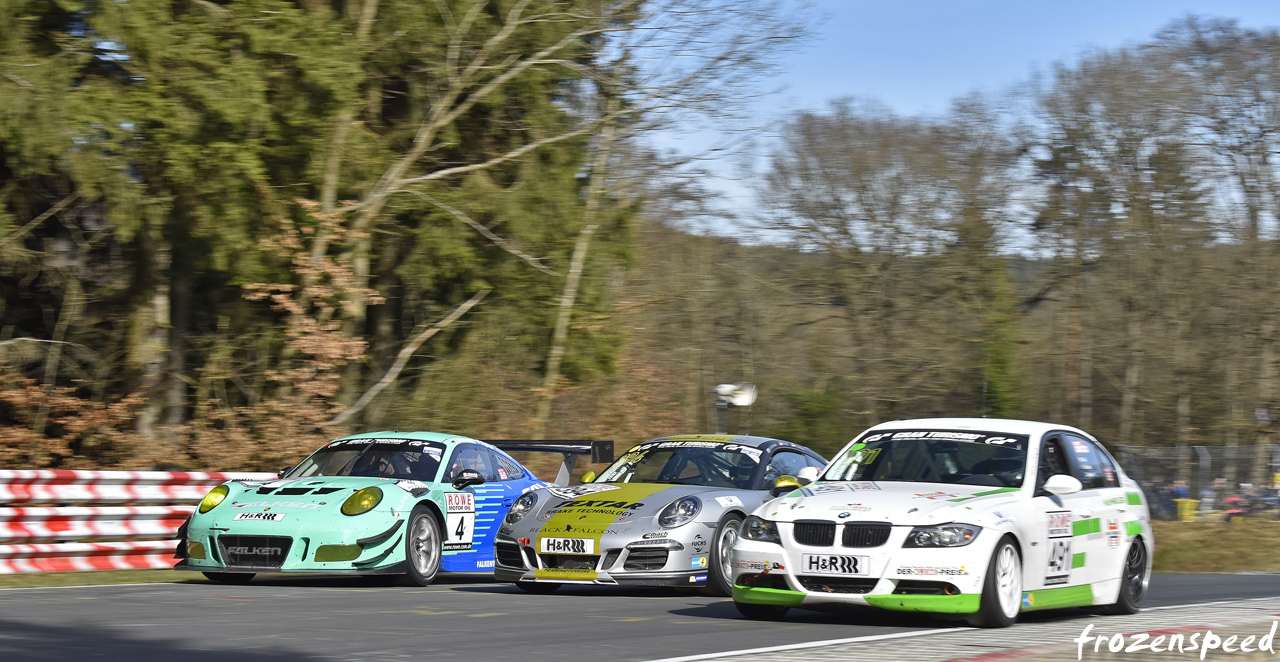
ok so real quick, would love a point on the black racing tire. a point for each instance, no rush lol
(540, 588)
(762, 612)
(423, 546)
(719, 572)
(1132, 579)
(1002, 588)
(229, 577)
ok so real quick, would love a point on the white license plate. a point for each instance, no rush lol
(567, 546)
(264, 517)
(835, 564)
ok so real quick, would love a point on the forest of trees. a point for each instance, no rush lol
(232, 230)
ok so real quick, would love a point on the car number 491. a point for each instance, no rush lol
(836, 564)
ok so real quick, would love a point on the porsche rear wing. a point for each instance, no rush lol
(601, 451)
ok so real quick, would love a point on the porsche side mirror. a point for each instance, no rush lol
(282, 472)
(587, 478)
(1062, 485)
(807, 475)
(783, 485)
(466, 478)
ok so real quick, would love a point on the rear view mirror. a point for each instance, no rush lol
(1062, 485)
(466, 478)
(807, 475)
(784, 484)
(281, 473)
(587, 477)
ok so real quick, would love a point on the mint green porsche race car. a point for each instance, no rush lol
(383, 503)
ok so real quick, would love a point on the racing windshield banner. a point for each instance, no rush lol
(1014, 441)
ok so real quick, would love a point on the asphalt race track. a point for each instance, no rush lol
(302, 619)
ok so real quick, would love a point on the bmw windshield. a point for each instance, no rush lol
(961, 457)
(407, 459)
(707, 463)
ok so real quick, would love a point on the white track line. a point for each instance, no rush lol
(898, 635)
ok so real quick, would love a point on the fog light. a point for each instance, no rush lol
(195, 550)
(329, 553)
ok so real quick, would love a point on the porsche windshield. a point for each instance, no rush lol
(686, 463)
(963, 457)
(376, 458)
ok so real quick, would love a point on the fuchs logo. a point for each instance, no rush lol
(256, 551)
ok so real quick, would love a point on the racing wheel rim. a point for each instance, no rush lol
(424, 545)
(1135, 566)
(1009, 580)
(728, 538)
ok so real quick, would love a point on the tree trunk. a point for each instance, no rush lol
(1132, 376)
(590, 213)
(150, 341)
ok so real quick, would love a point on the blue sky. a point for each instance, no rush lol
(915, 56)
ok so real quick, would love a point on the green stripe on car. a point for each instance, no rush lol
(1077, 560)
(1086, 526)
(1054, 598)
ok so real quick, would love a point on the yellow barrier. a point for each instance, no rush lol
(1187, 509)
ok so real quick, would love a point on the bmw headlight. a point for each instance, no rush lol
(945, 535)
(213, 498)
(679, 512)
(521, 507)
(761, 530)
(362, 501)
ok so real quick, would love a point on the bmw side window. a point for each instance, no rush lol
(784, 463)
(1053, 460)
(1088, 466)
(1093, 468)
(506, 467)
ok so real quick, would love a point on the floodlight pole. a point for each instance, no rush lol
(722, 418)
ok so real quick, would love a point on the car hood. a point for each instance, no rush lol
(316, 493)
(893, 502)
(606, 503)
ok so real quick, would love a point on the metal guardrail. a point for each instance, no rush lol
(59, 521)
(1208, 474)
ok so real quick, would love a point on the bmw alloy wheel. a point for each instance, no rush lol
(1009, 581)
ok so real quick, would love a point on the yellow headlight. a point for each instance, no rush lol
(195, 550)
(362, 502)
(213, 498)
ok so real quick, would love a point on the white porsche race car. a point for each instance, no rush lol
(974, 516)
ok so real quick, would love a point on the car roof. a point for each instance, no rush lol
(1003, 425)
(763, 443)
(418, 435)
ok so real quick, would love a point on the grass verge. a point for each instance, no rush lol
(93, 578)
(1241, 546)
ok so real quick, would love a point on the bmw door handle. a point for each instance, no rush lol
(507, 502)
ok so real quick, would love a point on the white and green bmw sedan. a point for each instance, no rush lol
(980, 517)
